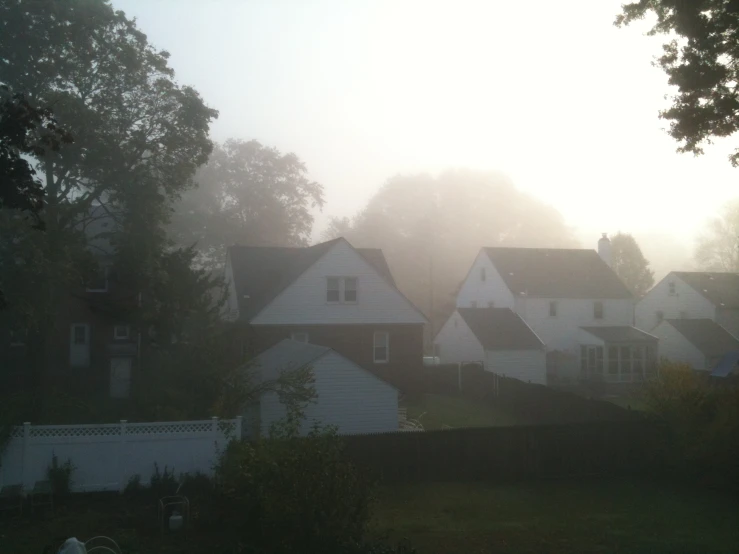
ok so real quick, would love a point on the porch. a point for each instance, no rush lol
(617, 354)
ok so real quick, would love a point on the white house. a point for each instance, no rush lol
(558, 292)
(498, 338)
(348, 396)
(700, 343)
(692, 295)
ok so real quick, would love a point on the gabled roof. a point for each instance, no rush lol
(706, 335)
(500, 329)
(260, 273)
(290, 355)
(721, 289)
(620, 334)
(557, 273)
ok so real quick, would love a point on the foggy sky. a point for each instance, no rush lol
(548, 92)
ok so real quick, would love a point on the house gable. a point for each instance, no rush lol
(481, 289)
(304, 300)
(675, 347)
(675, 299)
(456, 342)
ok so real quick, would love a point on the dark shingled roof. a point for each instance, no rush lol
(500, 329)
(706, 335)
(557, 273)
(263, 272)
(722, 289)
(620, 334)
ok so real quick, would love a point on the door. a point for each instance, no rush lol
(79, 345)
(120, 377)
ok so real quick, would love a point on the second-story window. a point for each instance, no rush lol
(99, 281)
(342, 290)
(381, 347)
(553, 309)
(598, 310)
(121, 332)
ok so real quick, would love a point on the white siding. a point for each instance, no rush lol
(492, 289)
(457, 343)
(729, 320)
(304, 301)
(231, 308)
(349, 397)
(676, 348)
(686, 300)
(525, 365)
(562, 331)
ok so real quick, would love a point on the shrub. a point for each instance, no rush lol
(287, 494)
(60, 476)
(163, 484)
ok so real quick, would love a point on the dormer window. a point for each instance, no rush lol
(342, 290)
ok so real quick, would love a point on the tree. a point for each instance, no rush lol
(630, 264)
(139, 136)
(702, 62)
(247, 194)
(431, 228)
(718, 247)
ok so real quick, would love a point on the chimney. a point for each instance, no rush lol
(604, 249)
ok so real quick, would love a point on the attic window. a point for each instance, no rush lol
(341, 290)
(672, 288)
(482, 274)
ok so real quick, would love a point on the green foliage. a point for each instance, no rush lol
(134, 488)
(718, 246)
(705, 420)
(630, 264)
(701, 60)
(247, 194)
(60, 476)
(164, 483)
(287, 494)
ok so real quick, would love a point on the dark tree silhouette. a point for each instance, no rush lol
(630, 264)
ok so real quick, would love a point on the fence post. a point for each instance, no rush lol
(238, 427)
(25, 470)
(459, 376)
(123, 477)
(214, 427)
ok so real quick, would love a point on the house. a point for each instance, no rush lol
(347, 395)
(692, 295)
(330, 294)
(562, 294)
(701, 343)
(94, 349)
(498, 338)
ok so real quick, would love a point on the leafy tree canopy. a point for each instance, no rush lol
(718, 246)
(630, 264)
(247, 194)
(701, 59)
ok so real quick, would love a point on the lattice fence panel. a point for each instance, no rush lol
(169, 428)
(52, 431)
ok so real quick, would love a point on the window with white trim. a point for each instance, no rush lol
(80, 335)
(299, 336)
(121, 332)
(381, 347)
(342, 290)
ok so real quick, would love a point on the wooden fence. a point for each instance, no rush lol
(505, 453)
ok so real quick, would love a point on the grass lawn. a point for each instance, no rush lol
(633, 402)
(567, 517)
(436, 410)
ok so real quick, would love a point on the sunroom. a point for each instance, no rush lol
(621, 354)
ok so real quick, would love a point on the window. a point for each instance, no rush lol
(299, 337)
(625, 363)
(341, 289)
(552, 309)
(671, 286)
(660, 315)
(591, 360)
(613, 361)
(99, 281)
(482, 274)
(332, 289)
(598, 310)
(17, 338)
(381, 354)
(121, 332)
(79, 334)
(473, 304)
(491, 304)
(637, 359)
(350, 289)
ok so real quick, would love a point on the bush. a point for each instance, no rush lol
(287, 494)
(60, 476)
(163, 484)
(704, 418)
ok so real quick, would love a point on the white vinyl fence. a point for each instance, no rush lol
(107, 456)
